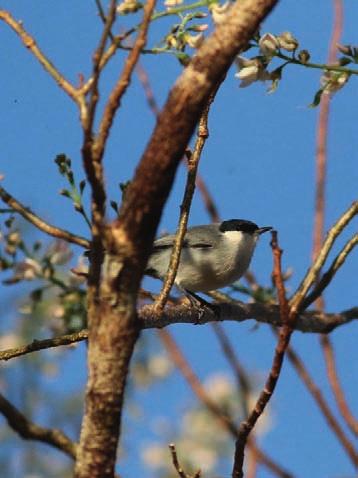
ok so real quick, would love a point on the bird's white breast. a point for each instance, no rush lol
(208, 269)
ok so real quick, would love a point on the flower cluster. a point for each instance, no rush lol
(186, 34)
(285, 47)
(128, 6)
(332, 81)
(255, 69)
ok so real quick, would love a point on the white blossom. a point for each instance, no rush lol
(172, 3)
(128, 6)
(250, 71)
(219, 12)
(159, 366)
(333, 81)
(29, 269)
(194, 41)
(59, 253)
(287, 41)
(268, 44)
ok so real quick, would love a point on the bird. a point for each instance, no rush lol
(213, 256)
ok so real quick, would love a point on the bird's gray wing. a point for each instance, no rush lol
(198, 238)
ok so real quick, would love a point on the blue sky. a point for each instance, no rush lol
(258, 163)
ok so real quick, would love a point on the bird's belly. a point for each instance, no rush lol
(208, 276)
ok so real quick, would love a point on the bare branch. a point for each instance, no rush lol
(44, 226)
(124, 79)
(30, 431)
(288, 319)
(328, 276)
(309, 321)
(313, 272)
(193, 163)
(176, 464)
(312, 321)
(242, 377)
(336, 386)
(321, 159)
(92, 161)
(31, 45)
(96, 70)
(323, 405)
(37, 345)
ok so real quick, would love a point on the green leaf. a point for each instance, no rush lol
(8, 223)
(114, 206)
(66, 193)
(317, 99)
(82, 186)
(70, 178)
(183, 58)
(344, 60)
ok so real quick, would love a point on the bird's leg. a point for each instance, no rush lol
(198, 302)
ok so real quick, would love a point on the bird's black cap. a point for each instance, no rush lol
(242, 225)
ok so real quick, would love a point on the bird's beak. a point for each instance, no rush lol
(261, 230)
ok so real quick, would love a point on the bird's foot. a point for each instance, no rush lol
(201, 304)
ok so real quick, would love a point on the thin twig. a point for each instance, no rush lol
(148, 91)
(92, 158)
(226, 422)
(239, 371)
(96, 70)
(252, 464)
(104, 20)
(330, 273)
(192, 180)
(321, 150)
(176, 463)
(31, 45)
(54, 231)
(336, 386)
(285, 333)
(208, 200)
(124, 79)
(321, 160)
(30, 431)
(322, 404)
(193, 163)
(37, 345)
(206, 196)
(313, 272)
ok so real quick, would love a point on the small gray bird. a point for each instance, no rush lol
(212, 256)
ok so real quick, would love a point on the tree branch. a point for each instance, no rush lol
(242, 377)
(328, 276)
(30, 431)
(308, 322)
(338, 393)
(30, 44)
(124, 79)
(288, 319)
(193, 163)
(322, 403)
(44, 226)
(311, 276)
